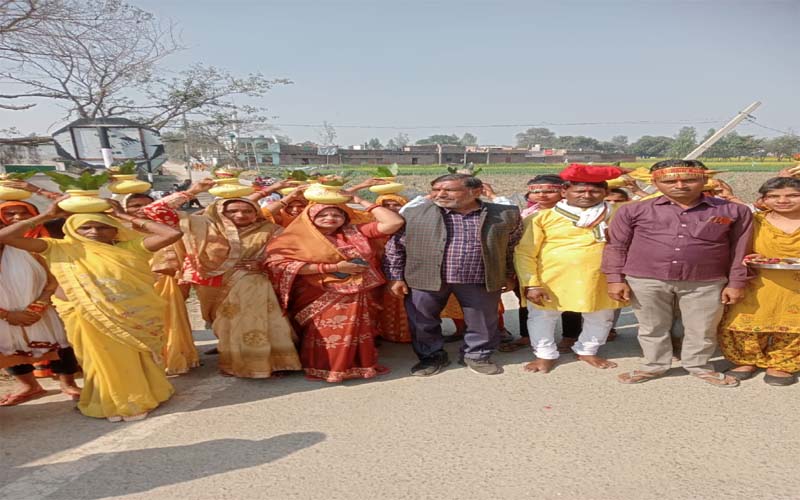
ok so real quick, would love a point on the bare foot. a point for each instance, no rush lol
(515, 345)
(776, 373)
(73, 391)
(540, 365)
(597, 361)
(744, 368)
(565, 345)
(69, 387)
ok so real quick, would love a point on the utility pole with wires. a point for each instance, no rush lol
(719, 134)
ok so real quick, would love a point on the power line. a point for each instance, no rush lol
(505, 125)
(752, 119)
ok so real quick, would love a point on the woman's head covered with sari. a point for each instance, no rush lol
(219, 237)
(96, 228)
(304, 242)
(133, 203)
(15, 211)
(393, 202)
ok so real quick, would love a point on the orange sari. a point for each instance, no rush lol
(336, 317)
(38, 231)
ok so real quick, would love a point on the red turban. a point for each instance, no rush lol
(595, 174)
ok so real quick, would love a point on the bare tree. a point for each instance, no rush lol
(327, 134)
(399, 141)
(220, 133)
(87, 57)
(100, 59)
(25, 15)
(199, 90)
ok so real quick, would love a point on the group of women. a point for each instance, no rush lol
(289, 286)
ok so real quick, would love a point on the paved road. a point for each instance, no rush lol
(575, 433)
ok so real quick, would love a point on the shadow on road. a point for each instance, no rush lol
(138, 471)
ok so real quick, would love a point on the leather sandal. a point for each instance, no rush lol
(717, 379)
(638, 377)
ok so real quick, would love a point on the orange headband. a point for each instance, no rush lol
(674, 173)
(534, 187)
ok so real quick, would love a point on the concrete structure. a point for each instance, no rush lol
(29, 151)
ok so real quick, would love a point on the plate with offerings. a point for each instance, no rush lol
(789, 264)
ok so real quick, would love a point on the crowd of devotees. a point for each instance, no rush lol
(287, 285)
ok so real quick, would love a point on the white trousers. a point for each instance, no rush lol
(542, 328)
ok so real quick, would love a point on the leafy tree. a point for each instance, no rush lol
(784, 146)
(649, 146)
(620, 143)
(577, 142)
(374, 143)
(684, 143)
(440, 139)
(469, 140)
(733, 145)
(536, 135)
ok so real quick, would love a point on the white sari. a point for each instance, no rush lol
(22, 279)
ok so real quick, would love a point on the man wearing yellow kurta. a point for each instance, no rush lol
(558, 267)
(763, 330)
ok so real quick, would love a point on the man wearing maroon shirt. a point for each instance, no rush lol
(681, 248)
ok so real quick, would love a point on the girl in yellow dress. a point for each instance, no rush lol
(763, 331)
(113, 317)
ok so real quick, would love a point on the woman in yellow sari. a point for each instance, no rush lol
(113, 317)
(763, 330)
(225, 247)
(180, 354)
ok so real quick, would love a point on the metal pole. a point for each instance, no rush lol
(186, 156)
(105, 147)
(719, 134)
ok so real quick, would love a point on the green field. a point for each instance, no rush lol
(538, 168)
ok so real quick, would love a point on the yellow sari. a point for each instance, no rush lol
(113, 317)
(255, 338)
(764, 328)
(180, 354)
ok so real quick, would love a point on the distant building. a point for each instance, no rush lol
(440, 155)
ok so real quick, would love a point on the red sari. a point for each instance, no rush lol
(335, 317)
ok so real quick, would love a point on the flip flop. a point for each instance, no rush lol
(716, 379)
(16, 399)
(637, 377)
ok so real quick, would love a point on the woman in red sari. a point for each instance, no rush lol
(327, 274)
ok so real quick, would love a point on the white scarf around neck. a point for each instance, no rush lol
(587, 217)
